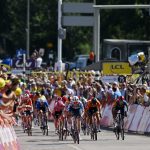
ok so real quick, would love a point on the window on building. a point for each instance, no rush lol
(116, 53)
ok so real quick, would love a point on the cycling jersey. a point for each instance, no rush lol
(76, 105)
(59, 105)
(42, 105)
(76, 108)
(120, 104)
(91, 105)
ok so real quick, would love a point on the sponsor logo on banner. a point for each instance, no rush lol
(119, 68)
(18, 63)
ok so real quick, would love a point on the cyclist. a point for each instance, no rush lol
(76, 109)
(119, 104)
(67, 115)
(84, 117)
(26, 108)
(115, 91)
(93, 108)
(57, 112)
(42, 107)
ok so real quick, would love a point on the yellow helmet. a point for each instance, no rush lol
(2, 82)
(147, 91)
(141, 56)
(18, 91)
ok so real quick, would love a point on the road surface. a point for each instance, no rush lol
(106, 141)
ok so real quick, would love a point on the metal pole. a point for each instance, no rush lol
(24, 63)
(59, 63)
(121, 6)
(97, 34)
(94, 31)
(28, 29)
(149, 62)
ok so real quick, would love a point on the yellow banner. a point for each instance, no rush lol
(110, 68)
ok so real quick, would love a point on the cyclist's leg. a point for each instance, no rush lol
(56, 117)
(114, 114)
(98, 120)
(69, 121)
(90, 113)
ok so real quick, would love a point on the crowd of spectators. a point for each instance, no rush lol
(82, 84)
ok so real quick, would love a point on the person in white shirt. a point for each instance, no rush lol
(39, 61)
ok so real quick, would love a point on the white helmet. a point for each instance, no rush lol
(75, 98)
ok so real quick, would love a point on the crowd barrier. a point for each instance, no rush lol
(8, 138)
(137, 119)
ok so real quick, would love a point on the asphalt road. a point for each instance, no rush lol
(106, 141)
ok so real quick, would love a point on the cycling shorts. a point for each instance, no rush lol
(92, 110)
(75, 112)
(57, 114)
(26, 113)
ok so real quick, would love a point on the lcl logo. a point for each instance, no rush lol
(117, 67)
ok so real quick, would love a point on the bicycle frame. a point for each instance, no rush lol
(60, 128)
(74, 130)
(119, 126)
(94, 128)
(44, 123)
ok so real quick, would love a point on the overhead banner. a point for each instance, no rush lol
(18, 63)
(71, 13)
(119, 68)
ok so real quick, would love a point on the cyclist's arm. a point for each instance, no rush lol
(47, 106)
(126, 105)
(37, 106)
(69, 107)
(81, 107)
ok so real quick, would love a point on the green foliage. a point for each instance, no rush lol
(123, 24)
(84, 48)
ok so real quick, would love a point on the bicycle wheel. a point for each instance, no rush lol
(23, 127)
(95, 134)
(46, 126)
(122, 130)
(60, 132)
(77, 137)
(83, 126)
(43, 126)
(66, 130)
(73, 135)
(43, 130)
(92, 133)
(29, 128)
(122, 134)
(117, 133)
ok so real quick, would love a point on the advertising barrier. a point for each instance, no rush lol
(137, 119)
(144, 120)
(8, 138)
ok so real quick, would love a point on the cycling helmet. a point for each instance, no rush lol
(59, 98)
(75, 98)
(18, 91)
(26, 95)
(94, 100)
(121, 98)
(64, 98)
(2, 83)
(27, 92)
